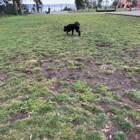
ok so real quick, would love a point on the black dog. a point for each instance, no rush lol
(47, 12)
(72, 27)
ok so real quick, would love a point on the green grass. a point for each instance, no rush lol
(61, 87)
(123, 123)
(133, 95)
(119, 136)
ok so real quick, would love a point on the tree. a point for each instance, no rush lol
(115, 2)
(65, 8)
(94, 3)
(79, 4)
(19, 6)
(8, 8)
(86, 2)
(99, 3)
(16, 4)
(38, 3)
(4, 1)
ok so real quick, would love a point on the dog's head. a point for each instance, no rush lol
(77, 23)
(65, 28)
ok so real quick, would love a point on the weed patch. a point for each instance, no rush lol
(122, 122)
(133, 95)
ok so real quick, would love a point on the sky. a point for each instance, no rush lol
(50, 1)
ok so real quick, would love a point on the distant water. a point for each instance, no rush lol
(54, 7)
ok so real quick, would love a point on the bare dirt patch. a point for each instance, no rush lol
(116, 79)
(101, 44)
(18, 116)
(3, 77)
(19, 58)
(1, 101)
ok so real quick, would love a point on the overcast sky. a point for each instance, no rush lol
(50, 1)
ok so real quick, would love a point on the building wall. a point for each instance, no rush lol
(138, 4)
(124, 2)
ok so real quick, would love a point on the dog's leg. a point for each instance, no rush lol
(72, 32)
(79, 33)
(67, 32)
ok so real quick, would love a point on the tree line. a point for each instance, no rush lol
(87, 3)
(97, 3)
(17, 5)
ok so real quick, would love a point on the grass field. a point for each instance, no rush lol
(55, 86)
